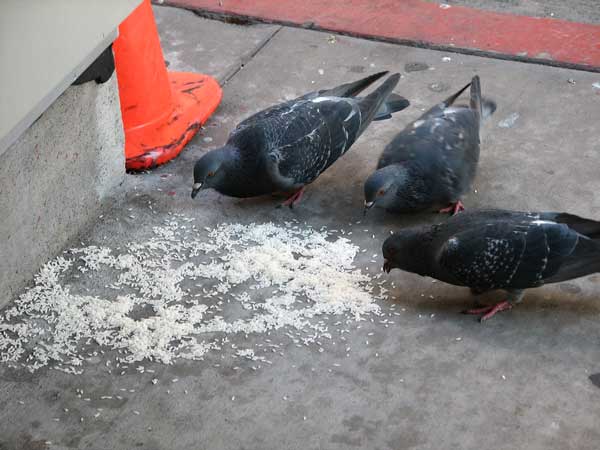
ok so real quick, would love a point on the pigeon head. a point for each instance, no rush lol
(406, 251)
(382, 186)
(209, 170)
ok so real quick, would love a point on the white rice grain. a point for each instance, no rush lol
(160, 305)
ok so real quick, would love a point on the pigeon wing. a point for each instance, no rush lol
(447, 146)
(270, 113)
(314, 136)
(508, 255)
(483, 258)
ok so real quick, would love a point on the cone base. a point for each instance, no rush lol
(195, 98)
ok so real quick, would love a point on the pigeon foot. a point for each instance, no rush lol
(489, 311)
(294, 199)
(454, 208)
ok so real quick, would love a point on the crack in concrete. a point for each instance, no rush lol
(247, 57)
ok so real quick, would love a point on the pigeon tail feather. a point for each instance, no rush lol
(585, 262)
(393, 104)
(450, 100)
(370, 105)
(586, 227)
(476, 104)
(354, 88)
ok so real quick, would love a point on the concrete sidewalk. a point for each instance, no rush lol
(436, 379)
(586, 11)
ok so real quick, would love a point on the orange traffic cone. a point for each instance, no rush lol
(161, 110)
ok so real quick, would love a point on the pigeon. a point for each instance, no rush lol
(498, 249)
(432, 161)
(287, 146)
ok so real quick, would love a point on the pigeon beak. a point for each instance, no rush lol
(195, 189)
(387, 266)
(368, 205)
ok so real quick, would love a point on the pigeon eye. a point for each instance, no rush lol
(380, 192)
(211, 174)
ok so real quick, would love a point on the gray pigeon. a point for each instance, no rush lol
(287, 146)
(433, 161)
(495, 249)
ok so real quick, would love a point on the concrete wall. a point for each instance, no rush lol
(44, 47)
(54, 178)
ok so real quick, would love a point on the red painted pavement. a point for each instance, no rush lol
(416, 22)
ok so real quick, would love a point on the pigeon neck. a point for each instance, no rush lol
(422, 254)
(229, 155)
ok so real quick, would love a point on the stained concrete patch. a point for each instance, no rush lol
(415, 67)
(357, 69)
(24, 442)
(570, 288)
(438, 87)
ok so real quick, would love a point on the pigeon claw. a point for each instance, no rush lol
(294, 198)
(454, 208)
(489, 311)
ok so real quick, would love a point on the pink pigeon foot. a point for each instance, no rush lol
(489, 311)
(454, 208)
(294, 198)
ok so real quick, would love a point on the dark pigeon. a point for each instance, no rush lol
(433, 161)
(495, 249)
(287, 146)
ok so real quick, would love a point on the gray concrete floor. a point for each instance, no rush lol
(587, 11)
(519, 381)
